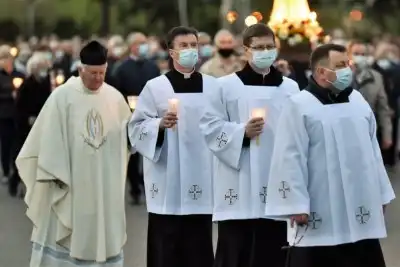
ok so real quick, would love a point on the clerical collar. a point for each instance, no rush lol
(325, 95)
(251, 78)
(182, 74)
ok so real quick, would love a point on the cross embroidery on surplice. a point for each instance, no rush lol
(284, 189)
(362, 215)
(222, 140)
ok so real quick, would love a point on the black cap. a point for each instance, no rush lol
(93, 53)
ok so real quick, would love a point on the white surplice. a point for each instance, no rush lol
(177, 175)
(241, 174)
(327, 163)
(79, 140)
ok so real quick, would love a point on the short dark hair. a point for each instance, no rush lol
(178, 31)
(256, 30)
(322, 52)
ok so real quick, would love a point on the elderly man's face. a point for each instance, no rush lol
(93, 76)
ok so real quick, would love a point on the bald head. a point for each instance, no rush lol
(225, 43)
(224, 39)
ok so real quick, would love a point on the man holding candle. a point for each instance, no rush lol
(164, 129)
(239, 127)
(73, 164)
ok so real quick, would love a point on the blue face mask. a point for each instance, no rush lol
(162, 54)
(143, 50)
(206, 51)
(188, 57)
(264, 59)
(344, 77)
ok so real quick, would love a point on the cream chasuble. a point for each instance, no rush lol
(73, 164)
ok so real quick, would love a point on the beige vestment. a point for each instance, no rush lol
(73, 164)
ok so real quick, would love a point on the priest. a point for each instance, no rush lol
(327, 175)
(239, 128)
(73, 164)
(164, 129)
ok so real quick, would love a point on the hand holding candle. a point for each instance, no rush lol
(173, 105)
(259, 114)
(17, 82)
(132, 100)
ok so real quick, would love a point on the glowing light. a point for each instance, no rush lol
(17, 82)
(257, 15)
(250, 20)
(294, 22)
(232, 16)
(356, 15)
(60, 79)
(14, 51)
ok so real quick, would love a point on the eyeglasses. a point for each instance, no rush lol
(296, 241)
(262, 47)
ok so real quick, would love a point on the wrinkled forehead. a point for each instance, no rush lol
(95, 68)
(263, 40)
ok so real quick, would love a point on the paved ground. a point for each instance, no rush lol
(15, 232)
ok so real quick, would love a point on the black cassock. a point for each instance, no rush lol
(364, 253)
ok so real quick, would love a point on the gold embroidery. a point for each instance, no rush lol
(94, 130)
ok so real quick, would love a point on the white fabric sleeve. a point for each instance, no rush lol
(223, 137)
(387, 192)
(144, 127)
(288, 177)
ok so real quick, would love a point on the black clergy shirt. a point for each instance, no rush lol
(327, 96)
(193, 83)
(251, 78)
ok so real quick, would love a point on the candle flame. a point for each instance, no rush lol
(17, 82)
(259, 113)
(132, 100)
(60, 79)
(173, 105)
(14, 51)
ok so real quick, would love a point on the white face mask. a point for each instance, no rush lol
(361, 61)
(384, 63)
(264, 59)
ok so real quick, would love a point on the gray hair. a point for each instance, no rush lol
(34, 61)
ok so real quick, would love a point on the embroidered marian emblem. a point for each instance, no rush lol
(94, 136)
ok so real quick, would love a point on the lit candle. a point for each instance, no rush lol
(258, 113)
(14, 51)
(132, 100)
(17, 82)
(173, 104)
(60, 79)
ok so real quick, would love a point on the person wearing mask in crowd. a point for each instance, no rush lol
(24, 53)
(30, 99)
(206, 50)
(162, 58)
(131, 76)
(225, 61)
(116, 50)
(8, 89)
(387, 68)
(63, 58)
(370, 84)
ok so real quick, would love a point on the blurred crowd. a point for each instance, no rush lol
(31, 69)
